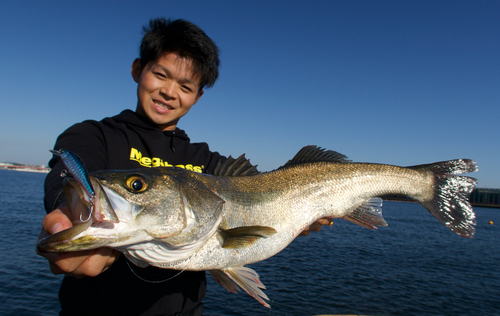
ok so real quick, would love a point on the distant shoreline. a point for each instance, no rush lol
(22, 167)
(27, 170)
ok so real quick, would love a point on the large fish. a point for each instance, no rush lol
(177, 219)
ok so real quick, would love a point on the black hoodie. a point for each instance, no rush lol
(129, 141)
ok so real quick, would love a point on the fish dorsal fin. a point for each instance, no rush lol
(243, 277)
(235, 167)
(316, 154)
(368, 214)
(241, 237)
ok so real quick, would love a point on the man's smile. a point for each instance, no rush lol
(163, 105)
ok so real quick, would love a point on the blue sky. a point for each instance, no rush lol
(398, 82)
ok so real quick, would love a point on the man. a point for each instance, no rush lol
(177, 60)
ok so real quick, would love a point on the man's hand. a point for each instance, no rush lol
(79, 263)
(316, 226)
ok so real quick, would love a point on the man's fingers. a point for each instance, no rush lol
(324, 221)
(99, 261)
(56, 221)
(316, 226)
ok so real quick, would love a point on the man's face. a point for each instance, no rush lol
(166, 89)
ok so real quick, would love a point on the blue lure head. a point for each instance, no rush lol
(78, 171)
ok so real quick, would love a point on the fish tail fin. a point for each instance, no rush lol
(243, 277)
(450, 203)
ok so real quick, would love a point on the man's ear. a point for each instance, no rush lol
(136, 69)
(200, 93)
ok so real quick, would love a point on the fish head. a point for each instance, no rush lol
(143, 198)
(137, 206)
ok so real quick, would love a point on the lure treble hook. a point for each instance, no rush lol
(76, 168)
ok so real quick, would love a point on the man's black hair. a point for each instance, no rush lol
(184, 39)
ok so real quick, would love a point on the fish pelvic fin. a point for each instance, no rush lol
(368, 214)
(450, 203)
(241, 277)
(241, 237)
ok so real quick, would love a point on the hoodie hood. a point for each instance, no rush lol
(136, 121)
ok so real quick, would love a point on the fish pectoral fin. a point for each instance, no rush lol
(241, 277)
(368, 214)
(241, 237)
(223, 224)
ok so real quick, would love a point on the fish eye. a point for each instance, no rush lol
(136, 184)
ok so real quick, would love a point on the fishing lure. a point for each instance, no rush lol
(78, 171)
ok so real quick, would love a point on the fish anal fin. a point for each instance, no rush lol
(241, 237)
(368, 214)
(243, 277)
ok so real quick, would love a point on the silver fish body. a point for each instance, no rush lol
(177, 219)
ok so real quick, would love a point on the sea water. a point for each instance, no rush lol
(415, 266)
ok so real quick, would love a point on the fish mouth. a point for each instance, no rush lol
(100, 211)
(84, 234)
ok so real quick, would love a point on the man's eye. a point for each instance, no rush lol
(159, 74)
(187, 88)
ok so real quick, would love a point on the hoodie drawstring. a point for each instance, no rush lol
(172, 146)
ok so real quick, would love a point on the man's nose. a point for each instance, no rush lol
(168, 90)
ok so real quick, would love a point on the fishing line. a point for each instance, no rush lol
(279, 286)
(149, 280)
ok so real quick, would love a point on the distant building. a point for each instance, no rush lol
(485, 197)
(479, 197)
